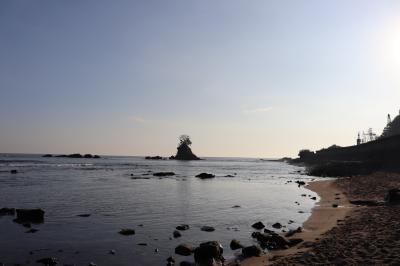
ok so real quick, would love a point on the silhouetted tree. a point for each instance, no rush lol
(184, 140)
(304, 154)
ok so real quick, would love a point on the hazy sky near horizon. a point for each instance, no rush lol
(242, 78)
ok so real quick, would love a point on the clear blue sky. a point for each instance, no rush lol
(242, 78)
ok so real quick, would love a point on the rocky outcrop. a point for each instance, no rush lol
(185, 153)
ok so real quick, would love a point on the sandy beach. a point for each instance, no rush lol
(350, 234)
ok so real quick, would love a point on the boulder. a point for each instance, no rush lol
(277, 226)
(207, 228)
(393, 196)
(47, 156)
(7, 211)
(14, 172)
(258, 225)
(205, 176)
(29, 216)
(176, 234)
(184, 250)
(235, 244)
(209, 253)
(251, 251)
(182, 227)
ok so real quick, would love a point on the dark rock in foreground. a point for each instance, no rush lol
(7, 211)
(205, 176)
(209, 253)
(184, 250)
(235, 244)
(14, 172)
(251, 251)
(29, 216)
(258, 225)
(127, 232)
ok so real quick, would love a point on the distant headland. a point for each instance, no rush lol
(372, 153)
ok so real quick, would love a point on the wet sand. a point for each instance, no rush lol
(323, 218)
(348, 235)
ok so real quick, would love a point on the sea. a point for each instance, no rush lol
(122, 192)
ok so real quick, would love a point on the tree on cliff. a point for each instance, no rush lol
(184, 152)
(184, 140)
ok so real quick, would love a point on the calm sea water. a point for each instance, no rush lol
(104, 188)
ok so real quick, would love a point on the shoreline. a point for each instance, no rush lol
(323, 218)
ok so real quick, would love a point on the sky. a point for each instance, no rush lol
(242, 78)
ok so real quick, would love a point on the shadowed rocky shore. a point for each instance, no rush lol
(370, 235)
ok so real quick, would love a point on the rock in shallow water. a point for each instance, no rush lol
(7, 211)
(127, 232)
(205, 176)
(258, 225)
(184, 250)
(182, 227)
(209, 253)
(177, 234)
(207, 229)
(235, 244)
(29, 216)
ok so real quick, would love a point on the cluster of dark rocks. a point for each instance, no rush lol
(207, 253)
(74, 155)
(25, 217)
